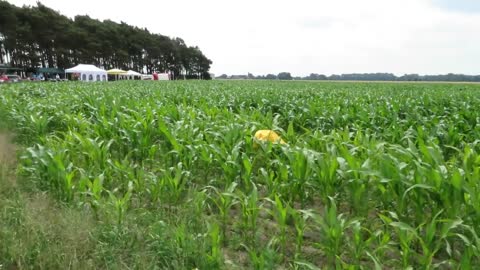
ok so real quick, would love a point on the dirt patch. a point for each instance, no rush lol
(235, 259)
(36, 226)
(8, 161)
(57, 222)
(8, 150)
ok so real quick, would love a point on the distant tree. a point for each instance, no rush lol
(8, 25)
(410, 77)
(206, 76)
(368, 77)
(362, 77)
(38, 36)
(271, 77)
(284, 76)
(312, 76)
(238, 77)
(321, 77)
(250, 76)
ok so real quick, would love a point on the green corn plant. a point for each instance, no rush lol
(281, 213)
(430, 241)
(301, 163)
(470, 162)
(247, 170)
(407, 236)
(49, 166)
(120, 204)
(263, 258)
(332, 227)
(94, 190)
(174, 184)
(471, 252)
(224, 201)
(359, 243)
(326, 172)
(215, 256)
(300, 223)
(356, 184)
(39, 124)
(269, 181)
(229, 163)
(250, 207)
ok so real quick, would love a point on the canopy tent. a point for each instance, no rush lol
(88, 73)
(130, 75)
(133, 73)
(116, 71)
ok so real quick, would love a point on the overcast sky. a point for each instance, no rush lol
(308, 36)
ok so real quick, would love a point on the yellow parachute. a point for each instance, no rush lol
(268, 135)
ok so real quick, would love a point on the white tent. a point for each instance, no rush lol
(163, 76)
(88, 73)
(133, 73)
(130, 75)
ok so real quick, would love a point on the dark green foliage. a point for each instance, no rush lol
(38, 36)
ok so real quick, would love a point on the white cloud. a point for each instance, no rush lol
(409, 36)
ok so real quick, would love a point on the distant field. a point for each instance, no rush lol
(384, 82)
(167, 175)
(356, 81)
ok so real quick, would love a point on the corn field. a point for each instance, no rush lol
(372, 175)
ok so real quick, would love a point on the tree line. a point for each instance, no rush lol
(359, 77)
(38, 36)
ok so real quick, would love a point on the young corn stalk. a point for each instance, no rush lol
(121, 204)
(332, 228)
(300, 223)
(250, 207)
(281, 213)
(215, 256)
(224, 201)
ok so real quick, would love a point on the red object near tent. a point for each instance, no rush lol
(155, 76)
